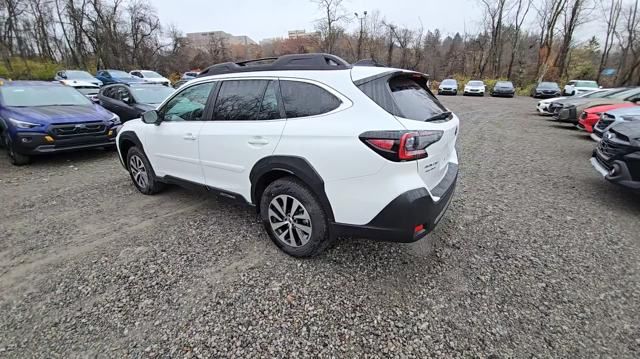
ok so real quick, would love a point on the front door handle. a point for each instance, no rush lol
(258, 141)
(189, 137)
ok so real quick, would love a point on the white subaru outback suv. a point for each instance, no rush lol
(321, 148)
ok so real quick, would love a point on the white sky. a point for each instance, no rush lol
(260, 19)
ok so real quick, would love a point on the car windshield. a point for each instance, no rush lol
(594, 94)
(87, 90)
(622, 95)
(476, 83)
(151, 94)
(118, 73)
(79, 75)
(151, 74)
(34, 96)
(504, 84)
(548, 85)
(591, 84)
(449, 82)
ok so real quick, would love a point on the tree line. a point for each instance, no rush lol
(522, 40)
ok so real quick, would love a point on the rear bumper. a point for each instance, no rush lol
(398, 221)
(35, 144)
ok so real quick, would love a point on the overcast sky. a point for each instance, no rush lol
(260, 19)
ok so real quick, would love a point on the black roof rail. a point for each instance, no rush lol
(317, 61)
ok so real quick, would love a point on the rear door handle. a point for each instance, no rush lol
(258, 141)
(189, 137)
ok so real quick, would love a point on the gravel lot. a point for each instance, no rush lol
(537, 257)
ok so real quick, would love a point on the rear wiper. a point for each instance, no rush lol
(440, 117)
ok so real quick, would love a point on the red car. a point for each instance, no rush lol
(591, 116)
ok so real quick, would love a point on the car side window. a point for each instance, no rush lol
(240, 100)
(188, 105)
(301, 99)
(124, 94)
(269, 109)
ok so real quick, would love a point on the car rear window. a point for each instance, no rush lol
(302, 99)
(413, 101)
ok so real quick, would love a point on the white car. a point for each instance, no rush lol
(151, 76)
(578, 87)
(474, 88)
(321, 148)
(543, 106)
(88, 89)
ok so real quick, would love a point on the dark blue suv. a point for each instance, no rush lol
(38, 117)
(109, 77)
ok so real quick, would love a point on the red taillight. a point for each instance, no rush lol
(419, 228)
(409, 143)
(382, 144)
(401, 145)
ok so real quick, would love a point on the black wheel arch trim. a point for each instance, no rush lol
(292, 165)
(127, 136)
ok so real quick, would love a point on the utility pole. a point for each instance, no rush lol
(360, 37)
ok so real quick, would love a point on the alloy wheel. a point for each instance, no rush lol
(290, 221)
(138, 171)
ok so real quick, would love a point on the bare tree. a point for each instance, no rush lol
(329, 26)
(572, 19)
(549, 12)
(612, 24)
(522, 8)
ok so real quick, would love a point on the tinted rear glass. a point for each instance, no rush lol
(413, 101)
(303, 99)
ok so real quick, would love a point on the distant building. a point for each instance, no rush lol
(300, 34)
(270, 40)
(203, 39)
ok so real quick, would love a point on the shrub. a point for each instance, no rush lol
(27, 69)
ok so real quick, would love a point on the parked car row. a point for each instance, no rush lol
(611, 117)
(477, 87)
(41, 117)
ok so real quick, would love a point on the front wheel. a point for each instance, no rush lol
(141, 172)
(294, 218)
(16, 159)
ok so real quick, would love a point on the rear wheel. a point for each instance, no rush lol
(141, 172)
(16, 159)
(294, 218)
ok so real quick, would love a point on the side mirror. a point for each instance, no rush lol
(151, 117)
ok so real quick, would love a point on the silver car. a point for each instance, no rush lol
(612, 118)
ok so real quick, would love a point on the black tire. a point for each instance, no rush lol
(138, 166)
(16, 159)
(281, 192)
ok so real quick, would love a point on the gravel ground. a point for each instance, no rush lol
(537, 257)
